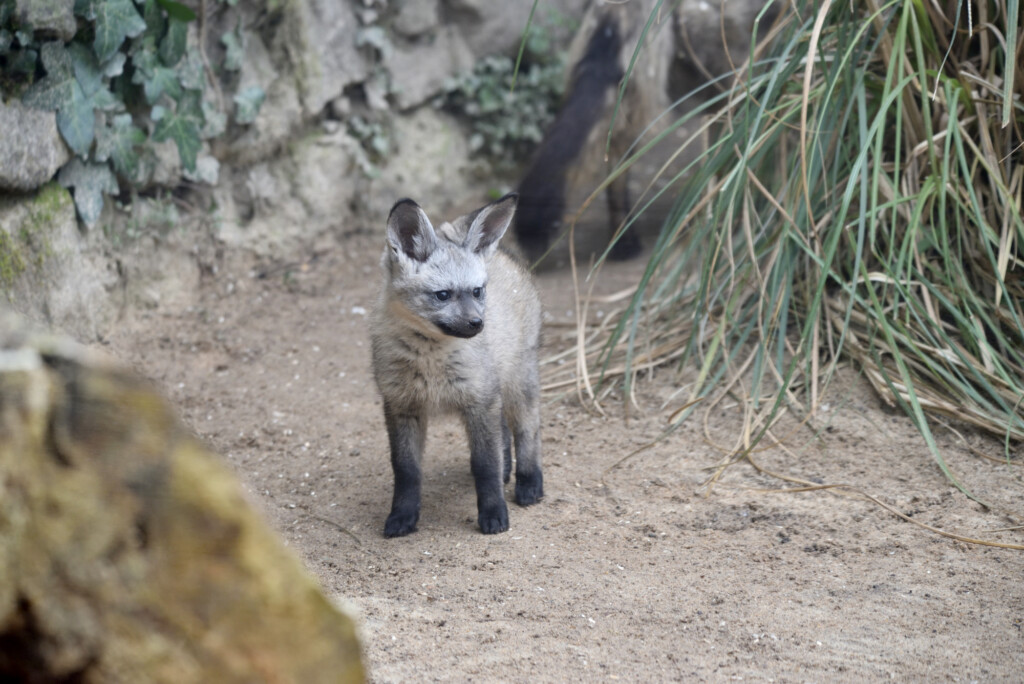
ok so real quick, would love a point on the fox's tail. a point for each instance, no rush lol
(542, 189)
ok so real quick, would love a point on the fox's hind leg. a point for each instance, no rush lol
(484, 428)
(525, 421)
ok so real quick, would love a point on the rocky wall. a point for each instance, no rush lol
(291, 177)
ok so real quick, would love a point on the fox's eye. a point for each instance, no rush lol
(477, 292)
(442, 295)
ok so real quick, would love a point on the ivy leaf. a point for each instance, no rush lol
(116, 20)
(155, 20)
(117, 143)
(61, 91)
(172, 47)
(114, 66)
(89, 181)
(87, 69)
(182, 126)
(163, 80)
(190, 71)
(76, 121)
(154, 78)
(234, 51)
(106, 101)
(6, 10)
(177, 11)
(216, 121)
(247, 104)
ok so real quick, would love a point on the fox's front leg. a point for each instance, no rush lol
(407, 432)
(484, 427)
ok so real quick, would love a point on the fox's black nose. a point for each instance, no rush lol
(467, 327)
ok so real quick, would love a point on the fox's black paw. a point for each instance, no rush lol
(529, 489)
(627, 247)
(400, 523)
(494, 520)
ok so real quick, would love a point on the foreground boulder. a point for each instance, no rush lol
(127, 551)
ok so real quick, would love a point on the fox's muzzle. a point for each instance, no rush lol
(464, 328)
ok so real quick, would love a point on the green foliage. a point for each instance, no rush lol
(114, 22)
(126, 80)
(858, 200)
(247, 104)
(510, 102)
(507, 124)
(89, 182)
(61, 90)
(374, 140)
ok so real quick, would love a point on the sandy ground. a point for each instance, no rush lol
(631, 574)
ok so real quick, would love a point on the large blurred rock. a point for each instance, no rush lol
(32, 148)
(128, 552)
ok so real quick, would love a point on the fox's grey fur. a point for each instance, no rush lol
(456, 330)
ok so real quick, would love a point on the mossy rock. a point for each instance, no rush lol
(26, 242)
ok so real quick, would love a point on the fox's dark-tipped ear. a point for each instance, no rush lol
(490, 223)
(410, 232)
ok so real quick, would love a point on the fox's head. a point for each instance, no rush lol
(438, 279)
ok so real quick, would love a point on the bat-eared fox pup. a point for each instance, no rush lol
(456, 330)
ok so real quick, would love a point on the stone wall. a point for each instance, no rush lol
(295, 176)
(291, 177)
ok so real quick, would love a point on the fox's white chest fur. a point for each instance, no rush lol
(439, 375)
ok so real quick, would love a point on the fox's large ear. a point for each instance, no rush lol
(490, 223)
(410, 232)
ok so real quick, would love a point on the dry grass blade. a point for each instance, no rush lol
(861, 198)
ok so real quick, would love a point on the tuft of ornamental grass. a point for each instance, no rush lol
(859, 198)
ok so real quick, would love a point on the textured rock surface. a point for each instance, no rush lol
(32, 149)
(292, 178)
(56, 17)
(128, 552)
(419, 70)
(47, 267)
(321, 37)
(415, 17)
(497, 27)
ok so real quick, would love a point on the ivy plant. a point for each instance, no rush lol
(506, 124)
(126, 80)
(509, 112)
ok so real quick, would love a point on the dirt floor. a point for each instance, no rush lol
(631, 573)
